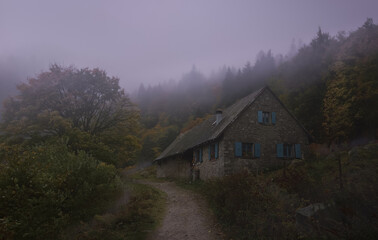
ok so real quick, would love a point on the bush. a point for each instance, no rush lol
(251, 207)
(133, 220)
(352, 200)
(45, 188)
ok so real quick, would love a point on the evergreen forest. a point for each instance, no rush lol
(330, 85)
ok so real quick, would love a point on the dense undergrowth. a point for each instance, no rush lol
(147, 173)
(50, 192)
(250, 207)
(264, 206)
(46, 188)
(62, 139)
(132, 221)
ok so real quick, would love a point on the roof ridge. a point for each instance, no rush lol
(205, 131)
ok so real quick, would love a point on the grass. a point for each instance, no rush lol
(264, 206)
(319, 179)
(248, 206)
(148, 173)
(132, 221)
(196, 186)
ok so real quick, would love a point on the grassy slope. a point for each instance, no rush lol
(135, 220)
(263, 207)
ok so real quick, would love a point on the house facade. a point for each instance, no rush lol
(255, 134)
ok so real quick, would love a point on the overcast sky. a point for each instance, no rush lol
(157, 40)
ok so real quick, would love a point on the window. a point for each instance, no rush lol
(288, 150)
(247, 150)
(266, 117)
(198, 155)
(213, 151)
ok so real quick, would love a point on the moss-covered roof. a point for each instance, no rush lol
(208, 130)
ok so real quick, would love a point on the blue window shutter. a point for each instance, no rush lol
(280, 150)
(286, 151)
(259, 116)
(200, 156)
(238, 149)
(298, 153)
(209, 151)
(257, 150)
(216, 150)
(273, 117)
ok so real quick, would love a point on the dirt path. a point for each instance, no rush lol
(187, 216)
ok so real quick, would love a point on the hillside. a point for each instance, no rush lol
(309, 199)
(331, 86)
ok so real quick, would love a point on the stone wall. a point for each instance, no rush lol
(247, 129)
(210, 168)
(177, 167)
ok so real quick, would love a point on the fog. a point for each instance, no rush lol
(155, 41)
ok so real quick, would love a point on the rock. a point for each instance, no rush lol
(310, 210)
(354, 154)
(309, 219)
(296, 163)
(331, 156)
(373, 147)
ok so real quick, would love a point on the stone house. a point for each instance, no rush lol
(255, 134)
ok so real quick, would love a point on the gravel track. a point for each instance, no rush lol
(187, 216)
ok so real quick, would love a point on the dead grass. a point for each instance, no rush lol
(133, 221)
(263, 207)
(148, 173)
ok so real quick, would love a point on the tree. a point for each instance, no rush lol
(86, 105)
(338, 115)
(321, 40)
(369, 24)
(351, 97)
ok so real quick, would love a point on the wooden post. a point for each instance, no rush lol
(340, 172)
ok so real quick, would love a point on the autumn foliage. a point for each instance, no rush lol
(85, 106)
(61, 140)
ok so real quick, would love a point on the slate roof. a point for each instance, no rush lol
(207, 130)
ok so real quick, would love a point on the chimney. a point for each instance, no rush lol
(218, 116)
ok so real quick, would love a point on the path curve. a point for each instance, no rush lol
(187, 216)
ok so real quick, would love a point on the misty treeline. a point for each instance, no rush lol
(330, 84)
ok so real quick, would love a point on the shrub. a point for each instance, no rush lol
(44, 188)
(132, 221)
(252, 208)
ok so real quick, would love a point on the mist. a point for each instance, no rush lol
(113, 94)
(150, 42)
